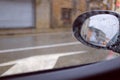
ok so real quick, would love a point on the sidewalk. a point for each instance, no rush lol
(17, 32)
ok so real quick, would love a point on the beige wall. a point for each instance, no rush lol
(81, 8)
(56, 11)
(42, 14)
(59, 4)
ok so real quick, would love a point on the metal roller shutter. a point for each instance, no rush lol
(16, 14)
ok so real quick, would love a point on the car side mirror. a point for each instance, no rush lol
(98, 29)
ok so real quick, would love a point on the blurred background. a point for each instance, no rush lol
(34, 16)
(37, 34)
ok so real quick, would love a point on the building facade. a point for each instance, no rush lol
(32, 16)
(99, 4)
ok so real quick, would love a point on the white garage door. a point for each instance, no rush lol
(16, 13)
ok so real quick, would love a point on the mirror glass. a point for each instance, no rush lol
(100, 29)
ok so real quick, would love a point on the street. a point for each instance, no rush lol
(28, 53)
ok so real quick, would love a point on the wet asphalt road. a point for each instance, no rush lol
(28, 53)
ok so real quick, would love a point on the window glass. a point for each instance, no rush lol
(44, 39)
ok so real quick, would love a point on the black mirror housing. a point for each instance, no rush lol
(78, 24)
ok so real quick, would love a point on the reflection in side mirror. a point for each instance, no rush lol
(100, 29)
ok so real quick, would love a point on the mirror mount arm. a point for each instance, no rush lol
(116, 45)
